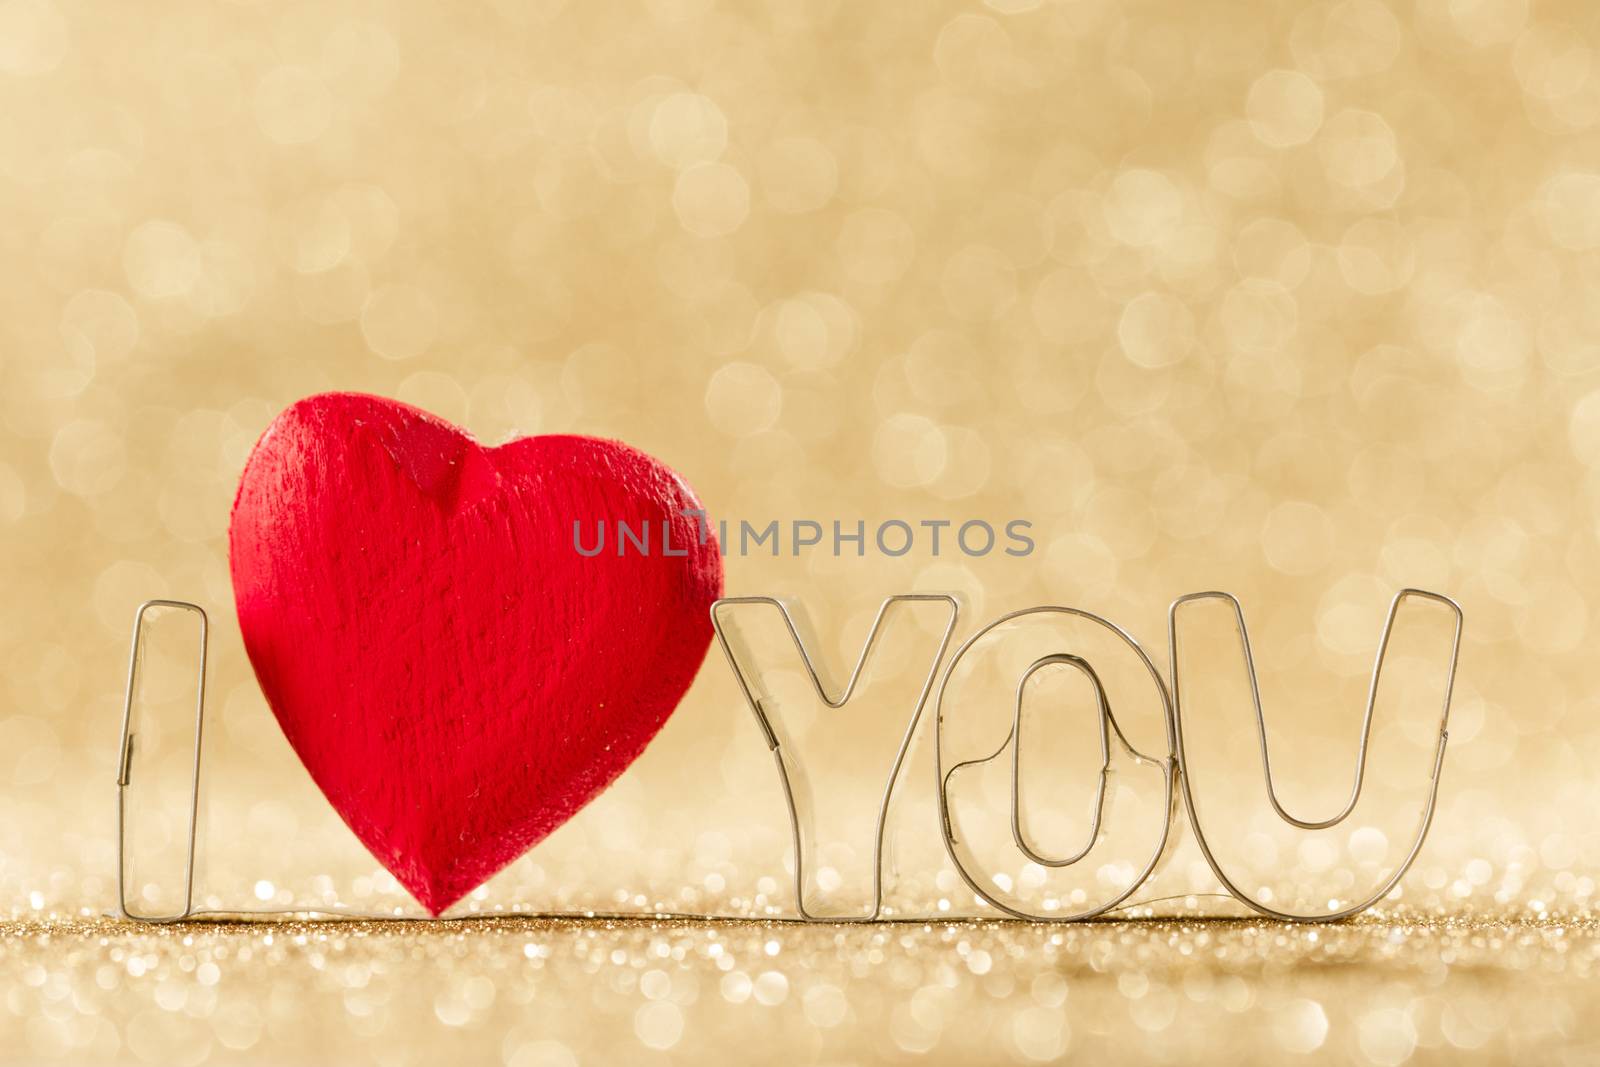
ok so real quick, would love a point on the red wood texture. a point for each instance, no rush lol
(457, 678)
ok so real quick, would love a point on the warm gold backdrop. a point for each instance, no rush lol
(1296, 300)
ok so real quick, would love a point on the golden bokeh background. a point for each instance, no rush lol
(1296, 300)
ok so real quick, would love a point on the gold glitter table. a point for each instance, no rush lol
(552, 993)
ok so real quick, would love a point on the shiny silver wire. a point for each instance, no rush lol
(1105, 719)
(125, 759)
(1108, 724)
(1174, 770)
(771, 736)
(1186, 776)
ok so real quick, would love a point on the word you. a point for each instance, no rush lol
(998, 642)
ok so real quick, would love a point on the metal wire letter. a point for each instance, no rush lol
(126, 754)
(1266, 757)
(835, 702)
(1107, 725)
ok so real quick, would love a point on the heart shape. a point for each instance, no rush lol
(457, 677)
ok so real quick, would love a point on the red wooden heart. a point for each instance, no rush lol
(456, 676)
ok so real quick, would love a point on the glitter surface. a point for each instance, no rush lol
(1293, 299)
(1385, 989)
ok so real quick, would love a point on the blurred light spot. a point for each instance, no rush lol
(825, 1006)
(909, 450)
(1376, 256)
(771, 988)
(1551, 63)
(659, 1024)
(541, 1053)
(161, 260)
(13, 494)
(335, 295)
(563, 114)
(798, 174)
(1143, 207)
(1297, 538)
(1272, 249)
(743, 399)
(735, 987)
(686, 129)
(1156, 330)
(1493, 348)
(1387, 1036)
(966, 470)
(318, 234)
(33, 37)
(1555, 618)
(1259, 317)
(1349, 616)
(1301, 1026)
(1583, 429)
(1358, 149)
(293, 106)
(1285, 108)
(815, 330)
(360, 59)
(1483, 22)
(87, 457)
(876, 246)
(979, 284)
(1345, 38)
(29, 744)
(399, 322)
(103, 321)
(1571, 203)
(711, 199)
(1368, 844)
(1041, 1034)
